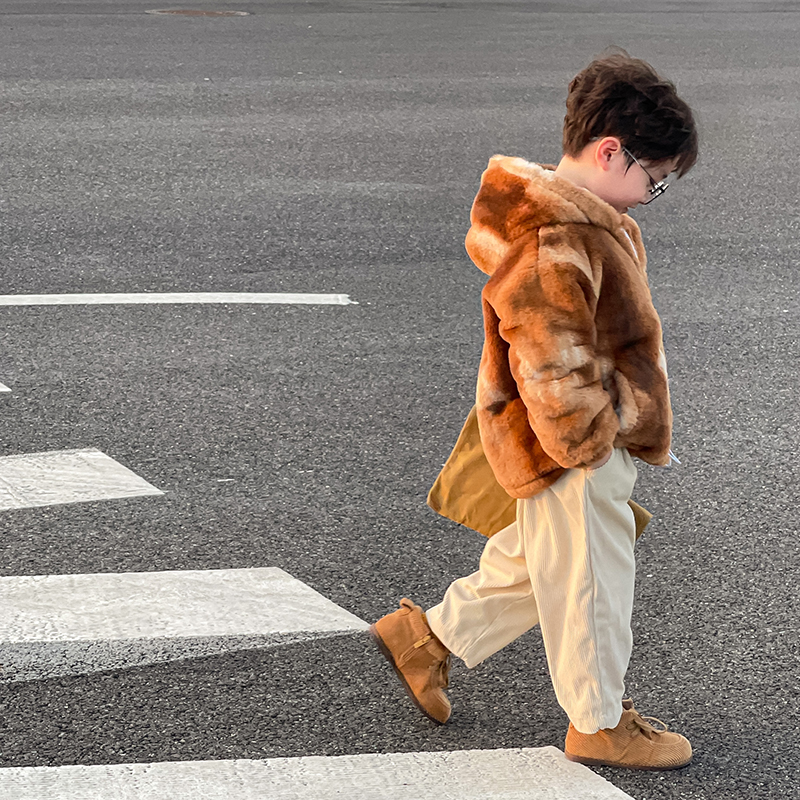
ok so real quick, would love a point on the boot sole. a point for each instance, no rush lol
(387, 654)
(599, 762)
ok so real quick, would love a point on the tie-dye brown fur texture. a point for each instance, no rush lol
(573, 362)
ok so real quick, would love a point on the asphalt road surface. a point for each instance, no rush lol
(335, 147)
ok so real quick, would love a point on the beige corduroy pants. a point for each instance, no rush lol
(567, 563)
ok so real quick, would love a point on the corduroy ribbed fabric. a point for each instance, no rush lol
(568, 564)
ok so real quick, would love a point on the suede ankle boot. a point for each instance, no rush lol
(634, 743)
(420, 660)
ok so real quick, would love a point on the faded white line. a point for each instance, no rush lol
(66, 476)
(518, 774)
(113, 606)
(174, 297)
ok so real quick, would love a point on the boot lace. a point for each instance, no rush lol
(645, 726)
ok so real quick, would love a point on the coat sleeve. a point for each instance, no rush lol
(545, 303)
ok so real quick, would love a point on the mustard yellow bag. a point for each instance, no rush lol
(466, 490)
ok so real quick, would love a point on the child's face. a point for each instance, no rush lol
(624, 186)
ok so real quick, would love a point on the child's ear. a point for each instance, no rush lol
(606, 150)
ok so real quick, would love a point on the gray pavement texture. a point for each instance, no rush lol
(32, 661)
(336, 147)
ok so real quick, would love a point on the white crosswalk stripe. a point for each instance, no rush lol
(96, 622)
(49, 608)
(66, 476)
(518, 774)
(152, 298)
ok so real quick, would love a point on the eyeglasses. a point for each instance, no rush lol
(656, 188)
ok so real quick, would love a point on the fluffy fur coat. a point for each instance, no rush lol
(572, 362)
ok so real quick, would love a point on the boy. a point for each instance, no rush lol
(572, 386)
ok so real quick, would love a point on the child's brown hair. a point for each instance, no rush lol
(617, 95)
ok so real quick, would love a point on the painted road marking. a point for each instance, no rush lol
(518, 774)
(66, 476)
(4, 388)
(174, 297)
(114, 606)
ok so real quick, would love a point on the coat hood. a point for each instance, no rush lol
(517, 196)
